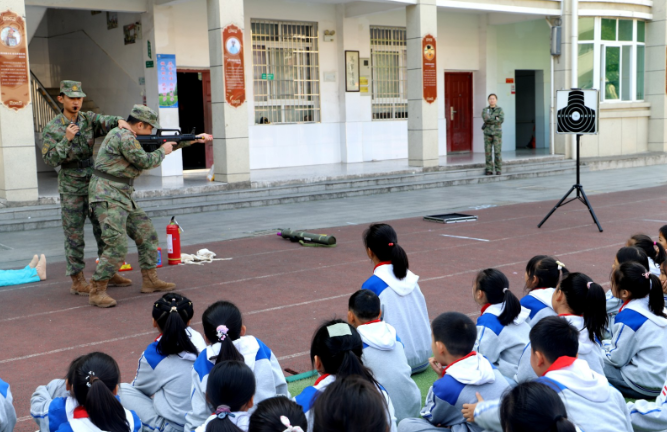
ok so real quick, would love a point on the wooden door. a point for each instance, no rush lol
(458, 111)
(208, 115)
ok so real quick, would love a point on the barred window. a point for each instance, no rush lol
(389, 69)
(286, 72)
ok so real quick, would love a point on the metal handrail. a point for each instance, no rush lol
(44, 108)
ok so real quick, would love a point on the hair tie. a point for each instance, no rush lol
(646, 275)
(222, 331)
(173, 309)
(655, 243)
(505, 290)
(588, 285)
(90, 378)
(560, 265)
(285, 421)
(391, 244)
(223, 411)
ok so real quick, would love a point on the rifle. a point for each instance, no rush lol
(150, 143)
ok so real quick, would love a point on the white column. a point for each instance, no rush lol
(18, 168)
(231, 147)
(656, 70)
(422, 20)
(563, 73)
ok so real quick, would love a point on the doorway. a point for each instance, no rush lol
(529, 109)
(458, 111)
(194, 111)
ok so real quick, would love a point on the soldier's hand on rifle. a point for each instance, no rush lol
(122, 124)
(205, 138)
(168, 147)
(71, 131)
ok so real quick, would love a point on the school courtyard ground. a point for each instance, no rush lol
(286, 290)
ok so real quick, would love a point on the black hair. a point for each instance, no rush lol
(632, 277)
(456, 331)
(649, 246)
(266, 417)
(96, 377)
(132, 120)
(492, 94)
(586, 298)
(533, 407)
(231, 383)
(554, 337)
(340, 355)
(381, 239)
(663, 231)
(365, 304)
(172, 312)
(71, 370)
(632, 253)
(223, 313)
(351, 404)
(547, 269)
(496, 287)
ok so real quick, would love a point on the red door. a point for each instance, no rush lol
(208, 115)
(458, 111)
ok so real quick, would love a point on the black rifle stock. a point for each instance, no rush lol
(150, 143)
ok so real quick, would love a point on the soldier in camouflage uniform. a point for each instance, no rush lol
(68, 142)
(120, 160)
(493, 117)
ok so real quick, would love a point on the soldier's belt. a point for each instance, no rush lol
(79, 164)
(124, 180)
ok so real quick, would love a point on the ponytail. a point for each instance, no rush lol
(640, 283)
(222, 324)
(230, 388)
(586, 298)
(172, 312)
(562, 424)
(533, 406)
(495, 285)
(382, 240)
(222, 424)
(656, 299)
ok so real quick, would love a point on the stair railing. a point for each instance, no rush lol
(44, 108)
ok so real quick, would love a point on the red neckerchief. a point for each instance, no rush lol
(321, 378)
(158, 337)
(569, 315)
(624, 304)
(471, 354)
(80, 412)
(381, 264)
(372, 322)
(484, 308)
(560, 363)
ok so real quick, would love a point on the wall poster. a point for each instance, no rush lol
(166, 80)
(233, 69)
(429, 69)
(352, 71)
(14, 73)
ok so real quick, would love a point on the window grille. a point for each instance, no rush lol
(286, 72)
(389, 69)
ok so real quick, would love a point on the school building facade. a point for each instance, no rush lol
(287, 83)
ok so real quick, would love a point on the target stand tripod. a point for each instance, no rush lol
(581, 195)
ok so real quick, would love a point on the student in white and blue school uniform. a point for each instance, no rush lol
(384, 354)
(336, 352)
(635, 356)
(403, 304)
(502, 329)
(650, 416)
(7, 412)
(543, 274)
(86, 401)
(654, 251)
(160, 392)
(223, 326)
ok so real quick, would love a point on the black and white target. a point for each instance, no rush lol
(577, 111)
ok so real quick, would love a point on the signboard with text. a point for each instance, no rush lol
(233, 69)
(14, 73)
(429, 69)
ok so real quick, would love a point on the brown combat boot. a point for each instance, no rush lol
(79, 285)
(151, 283)
(98, 295)
(119, 281)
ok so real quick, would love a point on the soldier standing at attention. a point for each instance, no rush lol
(68, 142)
(120, 160)
(493, 117)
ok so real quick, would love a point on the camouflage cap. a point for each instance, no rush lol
(146, 115)
(72, 89)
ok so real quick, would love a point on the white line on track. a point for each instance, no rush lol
(463, 237)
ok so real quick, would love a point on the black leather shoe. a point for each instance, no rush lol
(488, 173)
(498, 173)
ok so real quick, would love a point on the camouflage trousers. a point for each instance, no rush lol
(74, 210)
(491, 143)
(117, 223)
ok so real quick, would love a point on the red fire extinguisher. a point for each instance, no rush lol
(174, 242)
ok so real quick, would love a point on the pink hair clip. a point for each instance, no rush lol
(286, 422)
(391, 244)
(646, 275)
(588, 285)
(222, 331)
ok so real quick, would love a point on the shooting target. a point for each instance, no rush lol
(577, 111)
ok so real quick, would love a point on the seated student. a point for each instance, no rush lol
(403, 304)
(229, 390)
(635, 356)
(7, 412)
(223, 327)
(591, 403)
(384, 354)
(650, 416)
(654, 251)
(502, 329)
(160, 392)
(278, 414)
(351, 404)
(93, 381)
(581, 302)
(464, 374)
(543, 274)
(35, 271)
(335, 353)
(624, 254)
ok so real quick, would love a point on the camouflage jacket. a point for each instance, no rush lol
(121, 155)
(493, 120)
(56, 150)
